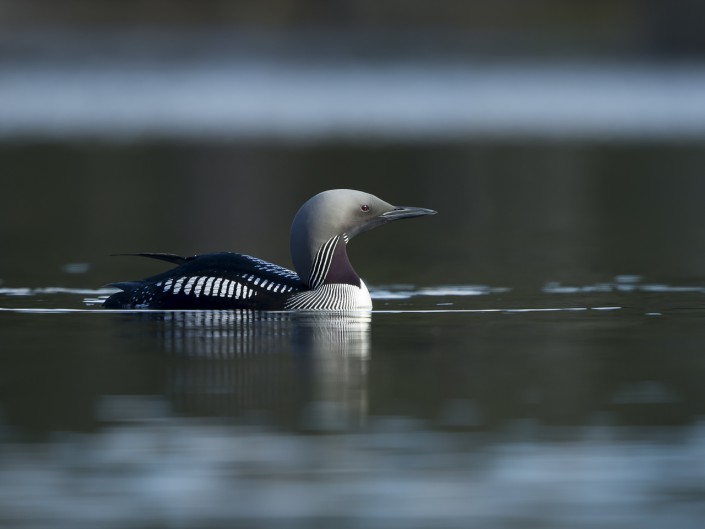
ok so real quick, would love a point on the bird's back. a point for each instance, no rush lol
(211, 281)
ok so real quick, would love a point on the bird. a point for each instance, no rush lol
(324, 279)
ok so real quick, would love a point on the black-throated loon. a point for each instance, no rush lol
(325, 281)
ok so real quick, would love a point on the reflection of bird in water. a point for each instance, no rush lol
(325, 281)
(309, 366)
(237, 333)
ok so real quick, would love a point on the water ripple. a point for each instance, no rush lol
(409, 291)
(26, 291)
(620, 284)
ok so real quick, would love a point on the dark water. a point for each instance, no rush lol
(535, 357)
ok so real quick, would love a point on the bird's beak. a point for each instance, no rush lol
(403, 212)
(396, 213)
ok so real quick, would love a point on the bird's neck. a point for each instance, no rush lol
(341, 270)
(331, 264)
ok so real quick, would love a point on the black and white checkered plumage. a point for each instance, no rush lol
(211, 281)
(319, 236)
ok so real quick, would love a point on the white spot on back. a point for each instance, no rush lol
(189, 285)
(209, 284)
(199, 286)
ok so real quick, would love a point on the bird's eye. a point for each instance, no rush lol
(365, 207)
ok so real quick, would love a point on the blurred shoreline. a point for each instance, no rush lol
(319, 87)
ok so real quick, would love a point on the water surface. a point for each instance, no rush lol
(447, 406)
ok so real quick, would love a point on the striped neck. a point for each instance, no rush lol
(331, 264)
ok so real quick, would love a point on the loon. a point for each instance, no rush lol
(326, 280)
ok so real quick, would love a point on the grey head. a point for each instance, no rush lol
(325, 223)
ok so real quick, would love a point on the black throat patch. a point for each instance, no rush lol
(341, 271)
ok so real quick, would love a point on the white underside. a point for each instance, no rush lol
(364, 300)
(332, 297)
